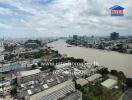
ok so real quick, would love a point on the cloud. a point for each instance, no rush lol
(2, 0)
(69, 16)
(5, 26)
(4, 11)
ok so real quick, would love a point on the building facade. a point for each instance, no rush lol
(26, 76)
(1, 50)
(114, 36)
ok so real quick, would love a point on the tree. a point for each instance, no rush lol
(98, 91)
(86, 97)
(14, 91)
(78, 86)
(39, 64)
(38, 54)
(52, 68)
(114, 72)
(74, 79)
(129, 82)
(121, 75)
(103, 71)
(9, 48)
(34, 66)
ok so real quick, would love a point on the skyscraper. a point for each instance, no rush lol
(114, 36)
(75, 37)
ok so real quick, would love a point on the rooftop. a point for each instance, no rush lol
(82, 81)
(93, 77)
(31, 72)
(109, 83)
(39, 95)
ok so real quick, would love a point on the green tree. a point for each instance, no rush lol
(38, 54)
(114, 72)
(39, 64)
(9, 48)
(98, 91)
(34, 66)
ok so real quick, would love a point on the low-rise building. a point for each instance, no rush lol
(109, 83)
(26, 76)
(129, 50)
(56, 92)
(81, 81)
(33, 44)
(93, 77)
(5, 88)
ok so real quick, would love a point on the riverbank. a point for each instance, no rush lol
(110, 45)
(109, 59)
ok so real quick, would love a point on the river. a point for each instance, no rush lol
(109, 59)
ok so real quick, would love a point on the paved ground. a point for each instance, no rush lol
(127, 95)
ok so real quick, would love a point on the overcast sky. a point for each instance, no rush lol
(46, 18)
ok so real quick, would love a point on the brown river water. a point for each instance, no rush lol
(109, 59)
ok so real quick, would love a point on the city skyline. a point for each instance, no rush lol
(51, 18)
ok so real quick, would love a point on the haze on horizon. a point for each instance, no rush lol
(49, 18)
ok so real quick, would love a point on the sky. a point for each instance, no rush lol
(50, 18)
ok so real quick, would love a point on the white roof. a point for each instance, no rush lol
(66, 72)
(29, 92)
(93, 77)
(109, 83)
(31, 72)
(45, 86)
(22, 85)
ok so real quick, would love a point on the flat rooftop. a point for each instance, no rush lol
(31, 72)
(109, 83)
(82, 81)
(93, 77)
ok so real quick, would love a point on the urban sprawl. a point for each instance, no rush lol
(32, 70)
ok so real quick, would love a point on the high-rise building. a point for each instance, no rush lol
(114, 36)
(75, 37)
(33, 44)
